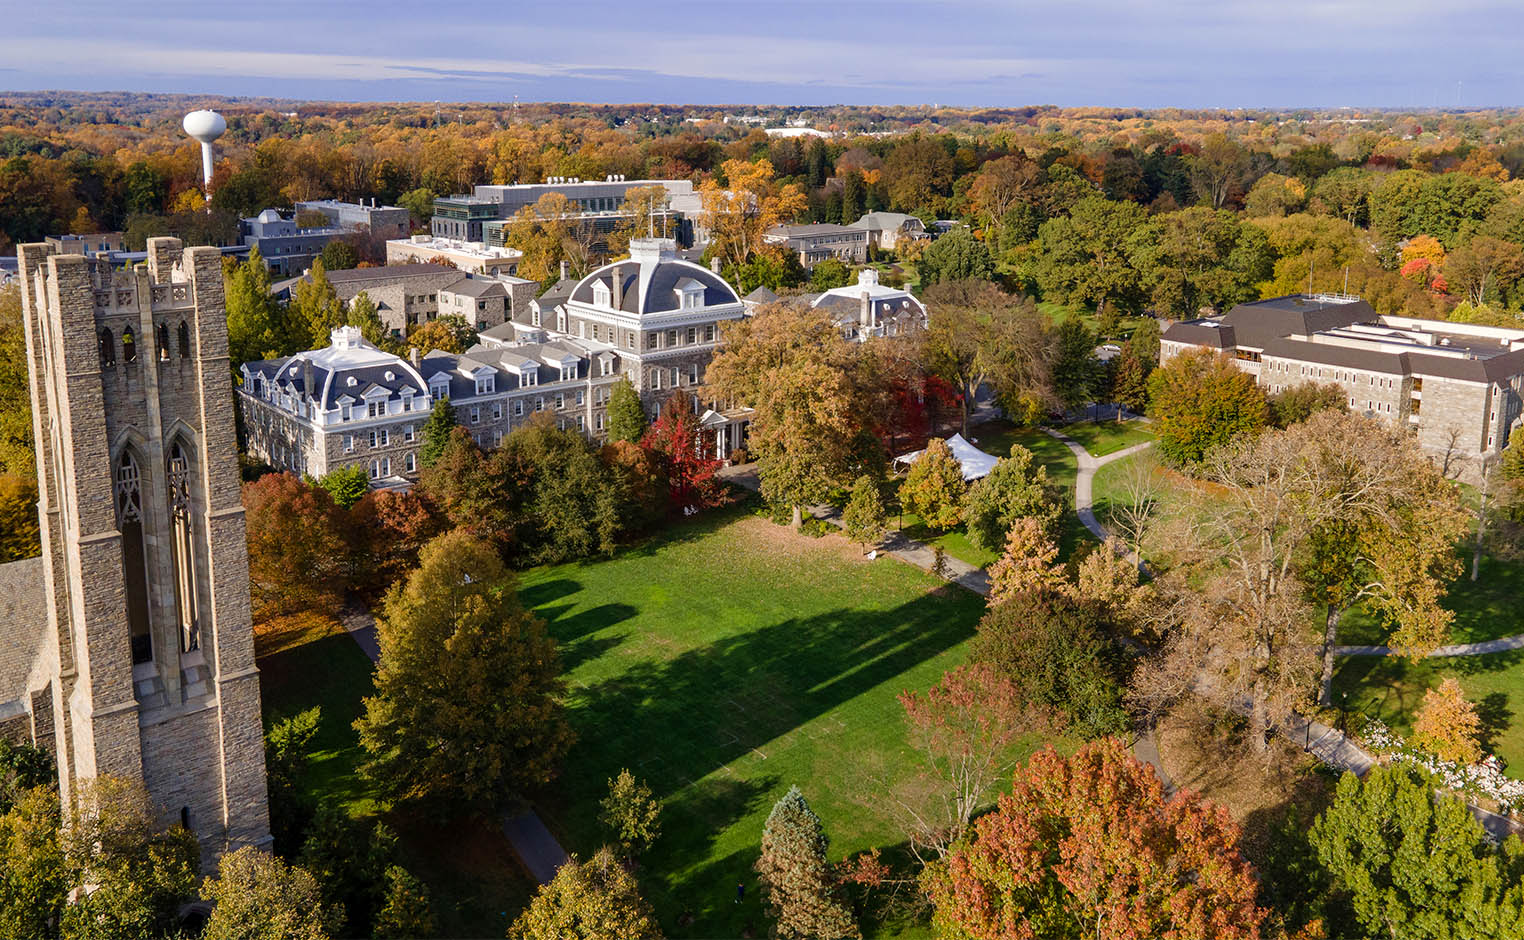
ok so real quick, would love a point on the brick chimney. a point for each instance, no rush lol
(616, 296)
(413, 357)
(865, 311)
(714, 264)
(565, 270)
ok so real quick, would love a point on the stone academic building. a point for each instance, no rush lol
(1456, 386)
(127, 647)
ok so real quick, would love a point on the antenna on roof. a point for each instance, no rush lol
(1309, 275)
(1346, 279)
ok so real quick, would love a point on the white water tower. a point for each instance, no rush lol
(205, 126)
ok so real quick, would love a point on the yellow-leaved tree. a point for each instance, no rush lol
(1448, 725)
(749, 203)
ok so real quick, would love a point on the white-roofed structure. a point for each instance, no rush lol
(869, 308)
(976, 463)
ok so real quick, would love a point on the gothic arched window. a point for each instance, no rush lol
(107, 347)
(184, 340)
(129, 345)
(163, 341)
(182, 547)
(129, 522)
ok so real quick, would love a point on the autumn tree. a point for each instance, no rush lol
(256, 896)
(142, 871)
(387, 529)
(339, 255)
(363, 316)
(739, 210)
(1485, 269)
(627, 417)
(1130, 386)
(34, 875)
(296, 552)
(977, 333)
(1413, 861)
(594, 900)
(479, 493)
(466, 710)
(1218, 170)
(1001, 185)
(964, 727)
(676, 439)
(1301, 401)
(449, 333)
(793, 366)
(934, 487)
(1089, 844)
(1198, 401)
(865, 518)
(1027, 561)
(1017, 487)
(1447, 725)
(798, 884)
(630, 813)
(257, 327)
(20, 530)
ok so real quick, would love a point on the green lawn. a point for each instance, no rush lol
(1108, 437)
(1485, 609)
(1391, 688)
(725, 661)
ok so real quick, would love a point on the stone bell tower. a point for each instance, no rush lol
(148, 649)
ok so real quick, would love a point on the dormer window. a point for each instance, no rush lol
(484, 384)
(530, 376)
(568, 372)
(602, 297)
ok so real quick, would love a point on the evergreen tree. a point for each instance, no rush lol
(797, 881)
(1016, 487)
(316, 305)
(1145, 342)
(865, 517)
(627, 419)
(339, 255)
(1075, 377)
(934, 487)
(255, 320)
(467, 706)
(436, 432)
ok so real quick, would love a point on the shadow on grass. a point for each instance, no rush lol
(1495, 717)
(538, 595)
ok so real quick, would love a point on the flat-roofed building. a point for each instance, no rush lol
(407, 295)
(381, 222)
(482, 215)
(1458, 387)
(818, 241)
(475, 257)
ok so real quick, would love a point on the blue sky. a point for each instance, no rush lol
(1142, 53)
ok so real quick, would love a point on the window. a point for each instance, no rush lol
(484, 385)
(163, 342)
(408, 434)
(344, 411)
(182, 548)
(349, 443)
(651, 340)
(534, 316)
(581, 423)
(630, 340)
(671, 337)
(677, 376)
(605, 365)
(581, 396)
(568, 373)
(379, 437)
(655, 378)
(129, 345)
(497, 410)
(693, 373)
(560, 402)
(375, 409)
(709, 333)
(375, 469)
(518, 408)
(107, 347)
(476, 415)
(184, 340)
(539, 404)
(530, 377)
(410, 462)
(129, 521)
(497, 438)
(692, 335)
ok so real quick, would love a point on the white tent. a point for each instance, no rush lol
(975, 462)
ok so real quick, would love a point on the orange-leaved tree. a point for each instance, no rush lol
(1089, 846)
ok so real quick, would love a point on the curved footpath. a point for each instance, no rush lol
(1331, 746)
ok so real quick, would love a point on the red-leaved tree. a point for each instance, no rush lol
(297, 558)
(1088, 846)
(964, 726)
(677, 439)
(386, 530)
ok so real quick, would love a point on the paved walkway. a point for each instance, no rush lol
(1457, 649)
(531, 841)
(1084, 480)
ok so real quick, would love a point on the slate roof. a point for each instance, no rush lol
(476, 287)
(811, 229)
(760, 296)
(384, 273)
(1257, 323)
(23, 624)
(882, 221)
(332, 369)
(662, 282)
(1213, 334)
(1495, 368)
